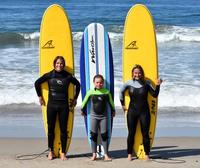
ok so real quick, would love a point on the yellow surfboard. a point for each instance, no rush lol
(56, 39)
(140, 47)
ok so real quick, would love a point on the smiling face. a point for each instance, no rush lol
(98, 83)
(59, 65)
(137, 74)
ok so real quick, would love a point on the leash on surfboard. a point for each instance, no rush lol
(31, 156)
(160, 159)
(100, 151)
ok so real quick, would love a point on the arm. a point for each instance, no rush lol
(38, 83)
(122, 93)
(154, 92)
(77, 85)
(85, 100)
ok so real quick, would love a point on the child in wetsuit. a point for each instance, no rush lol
(98, 117)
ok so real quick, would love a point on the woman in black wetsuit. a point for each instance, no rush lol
(58, 81)
(138, 109)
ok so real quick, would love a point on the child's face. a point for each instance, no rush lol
(98, 83)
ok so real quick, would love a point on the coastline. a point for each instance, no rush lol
(176, 142)
(25, 121)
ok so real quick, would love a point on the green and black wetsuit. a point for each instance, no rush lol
(100, 98)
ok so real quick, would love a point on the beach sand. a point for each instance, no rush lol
(180, 152)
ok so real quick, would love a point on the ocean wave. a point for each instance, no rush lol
(167, 98)
(165, 33)
(15, 38)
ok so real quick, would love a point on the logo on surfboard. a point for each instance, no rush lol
(92, 50)
(132, 45)
(153, 107)
(48, 45)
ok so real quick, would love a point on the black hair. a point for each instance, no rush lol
(98, 76)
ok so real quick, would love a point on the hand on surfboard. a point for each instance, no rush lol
(41, 101)
(124, 108)
(72, 103)
(82, 113)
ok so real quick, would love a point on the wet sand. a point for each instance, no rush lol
(167, 152)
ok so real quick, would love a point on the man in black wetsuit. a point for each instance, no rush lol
(58, 81)
(138, 109)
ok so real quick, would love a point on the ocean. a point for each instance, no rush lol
(178, 36)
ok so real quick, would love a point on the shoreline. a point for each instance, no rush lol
(179, 152)
(25, 120)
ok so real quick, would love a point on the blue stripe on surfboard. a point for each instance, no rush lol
(82, 68)
(87, 72)
(107, 84)
(82, 73)
(112, 69)
(111, 74)
(96, 48)
(108, 70)
(87, 66)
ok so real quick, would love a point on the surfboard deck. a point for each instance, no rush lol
(140, 47)
(96, 58)
(56, 39)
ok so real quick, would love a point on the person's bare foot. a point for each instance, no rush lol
(107, 158)
(50, 155)
(94, 157)
(129, 157)
(146, 158)
(63, 156)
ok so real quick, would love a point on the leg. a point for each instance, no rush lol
(63, 118)
(94, 123)
(104, 137)
(145, 124)
(51, 120)
(132, 120)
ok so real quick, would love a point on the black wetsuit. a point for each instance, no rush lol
(58, 83)
(138, 110)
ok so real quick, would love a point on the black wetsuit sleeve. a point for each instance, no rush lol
(122, 93)
(77, 84)
(154, 92)
(85, 100)
(39, 81)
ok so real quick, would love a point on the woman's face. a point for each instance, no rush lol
(59, 65)
(137, 74)
(98, 83)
